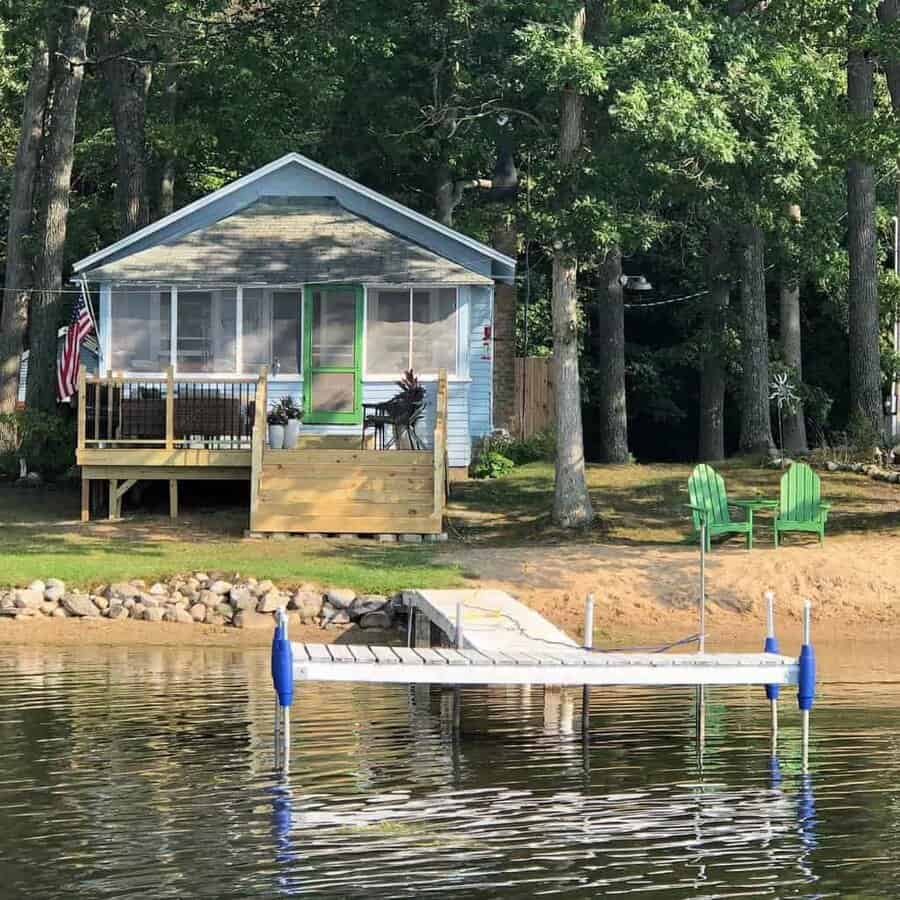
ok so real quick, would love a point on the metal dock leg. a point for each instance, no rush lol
(772, 690)
(588, 645)
(806, 688)
(283, 680)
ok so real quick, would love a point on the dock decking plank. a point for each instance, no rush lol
(453, 657)
(385, 655)
(317, 652)
(362, 653)
(340, 653)
(408, 655)
(431, 657)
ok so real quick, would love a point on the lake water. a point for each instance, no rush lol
(148, 773)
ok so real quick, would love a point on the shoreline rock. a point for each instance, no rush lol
(215, 598)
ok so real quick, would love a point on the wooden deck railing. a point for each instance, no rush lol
(257, 445)
(172, 412)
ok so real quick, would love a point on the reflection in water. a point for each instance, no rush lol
(150, 773)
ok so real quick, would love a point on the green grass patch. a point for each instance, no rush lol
(40, 538)
(646, 504)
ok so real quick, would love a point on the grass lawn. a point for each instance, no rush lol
(635, 505)
(645, 504)
(41, 537)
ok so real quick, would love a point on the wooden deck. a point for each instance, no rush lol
(173, 429)
(351, 491)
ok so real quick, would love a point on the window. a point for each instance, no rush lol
(140, 330)
(270, 330)
(411, 328)
(434, 330)
(206, 331)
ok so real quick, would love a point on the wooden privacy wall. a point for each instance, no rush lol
(534, 396)
(350, 491)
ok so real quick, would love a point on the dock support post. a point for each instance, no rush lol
(283, 681)
(772, 690)
(588, 642)
(806, 687)
(702, 641)
(459, 626)
(85, 499)
(173, 498)
(409, 622)
(422, 631)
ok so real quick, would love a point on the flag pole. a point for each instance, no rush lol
(86, 294)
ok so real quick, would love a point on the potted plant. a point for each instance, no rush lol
(408, 407)
(277, 421)
(294, 416)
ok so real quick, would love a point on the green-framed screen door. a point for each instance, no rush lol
(333, 358)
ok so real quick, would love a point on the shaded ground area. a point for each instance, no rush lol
(639, 505)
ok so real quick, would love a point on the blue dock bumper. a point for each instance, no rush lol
(772, 690)
(806, 680)
(282, 664)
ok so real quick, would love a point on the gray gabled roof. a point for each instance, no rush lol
(294, 175)
(288, 240)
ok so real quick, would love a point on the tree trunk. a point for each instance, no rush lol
(608, 351)
(129, 82)
(711, 443)
(571, 501)
(865, 355)
(505, 412)
(756, 428)
(14, 318)
(55, 183)
(167, 177)
(793, 421)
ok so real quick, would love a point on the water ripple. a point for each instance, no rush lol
(143, 772)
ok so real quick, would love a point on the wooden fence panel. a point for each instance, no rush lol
(534, 396)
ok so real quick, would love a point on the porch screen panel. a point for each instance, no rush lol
(139, 330)
(434, 331)
(270, 330)
(387, 332)
(286, 307)
(333, 392)
(256, 337)
(207, 331)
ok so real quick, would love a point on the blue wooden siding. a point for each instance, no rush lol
(481, 369)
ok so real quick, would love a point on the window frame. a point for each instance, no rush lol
(457, 375)
(268, 290)
(105, 324)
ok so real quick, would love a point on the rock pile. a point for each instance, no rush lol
(877, 473)
(200, 597)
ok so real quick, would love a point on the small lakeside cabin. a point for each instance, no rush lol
(292, 281)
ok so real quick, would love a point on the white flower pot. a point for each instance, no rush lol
(276, 437)
(291, 433)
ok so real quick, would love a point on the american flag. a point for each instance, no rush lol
(67, 362)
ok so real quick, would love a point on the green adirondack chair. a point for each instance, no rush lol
(709, 503)
(800, 507)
